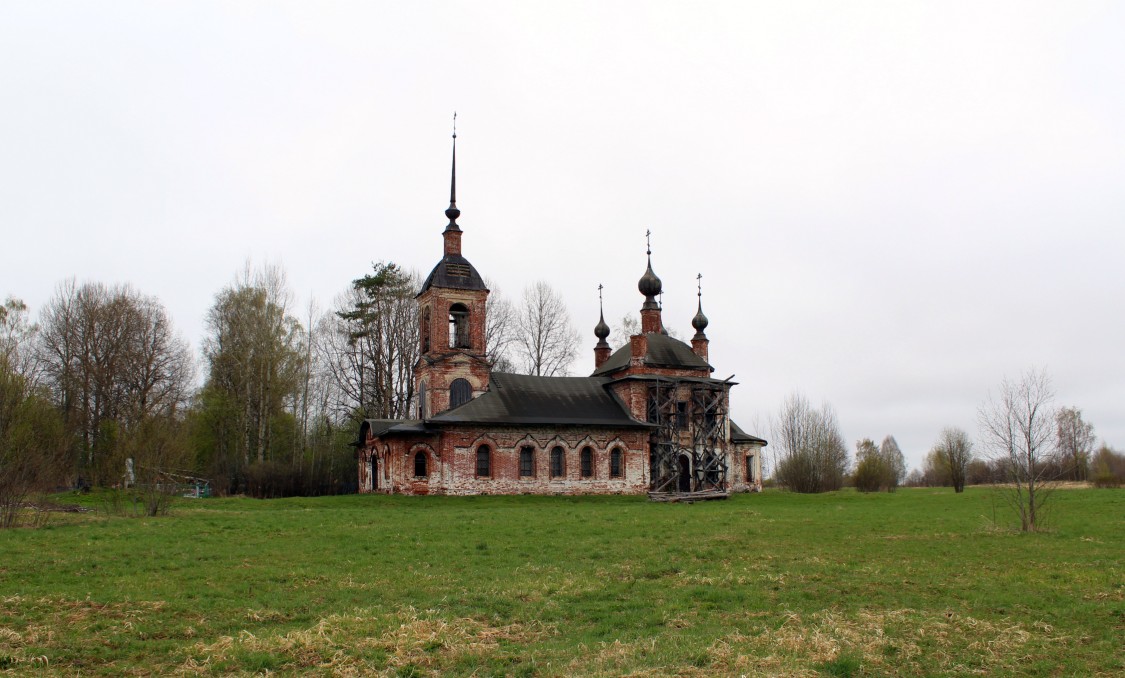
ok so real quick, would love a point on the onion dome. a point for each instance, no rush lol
(650, 285)
(601, 330)
(699, 322)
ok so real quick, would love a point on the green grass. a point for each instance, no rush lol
(916, 583)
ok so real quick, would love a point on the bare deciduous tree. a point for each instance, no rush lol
(499, 328)
(17, 338)
(32, 439)
(546, 342)
(1075, 440)
(1017, 427)
(111, 358)
(627, 327)
(953, 452)
(894, 462)
(811, 455)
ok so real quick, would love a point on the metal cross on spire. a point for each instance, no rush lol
(648, 242)
(699, 285)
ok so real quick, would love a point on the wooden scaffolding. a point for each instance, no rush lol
(688, 451)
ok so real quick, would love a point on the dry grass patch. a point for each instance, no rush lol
(361, 643)
(902, 642)
(46, 624)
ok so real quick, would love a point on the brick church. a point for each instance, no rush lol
(650, 418)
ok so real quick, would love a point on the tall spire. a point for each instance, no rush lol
(453, 212)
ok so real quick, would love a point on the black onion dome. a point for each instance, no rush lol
(601, 330)
(699, 322)
(650, 285)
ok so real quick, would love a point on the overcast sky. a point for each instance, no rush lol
(894, 205)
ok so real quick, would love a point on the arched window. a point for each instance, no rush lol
(558, 468)
(749, 468)
(459, 326)
(424, 331)
(460, 392)
(527, 461)
(587, 459)
(484, 461)
(420, 465)
(615, 463)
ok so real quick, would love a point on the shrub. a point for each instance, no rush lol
(869, 475)
(1109, 468)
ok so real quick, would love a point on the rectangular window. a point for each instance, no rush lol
(557, 462)
(484, 461)
(527, 462)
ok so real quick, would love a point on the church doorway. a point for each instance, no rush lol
(684, 463)
(373, 473)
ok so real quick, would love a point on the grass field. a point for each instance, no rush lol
(921, 582)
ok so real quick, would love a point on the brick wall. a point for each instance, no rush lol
(451, 462)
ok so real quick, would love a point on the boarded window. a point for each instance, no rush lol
(420, 465)
(484, 461)
(558, 469)
(615, 463)
(527, 461)
(460, 392)
(587, 462)
(457, 270)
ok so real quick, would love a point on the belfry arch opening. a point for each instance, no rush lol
(459, 326)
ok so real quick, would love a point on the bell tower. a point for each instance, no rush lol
(452, 366)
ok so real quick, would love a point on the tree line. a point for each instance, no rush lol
(100, 389)
(1026, 447)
